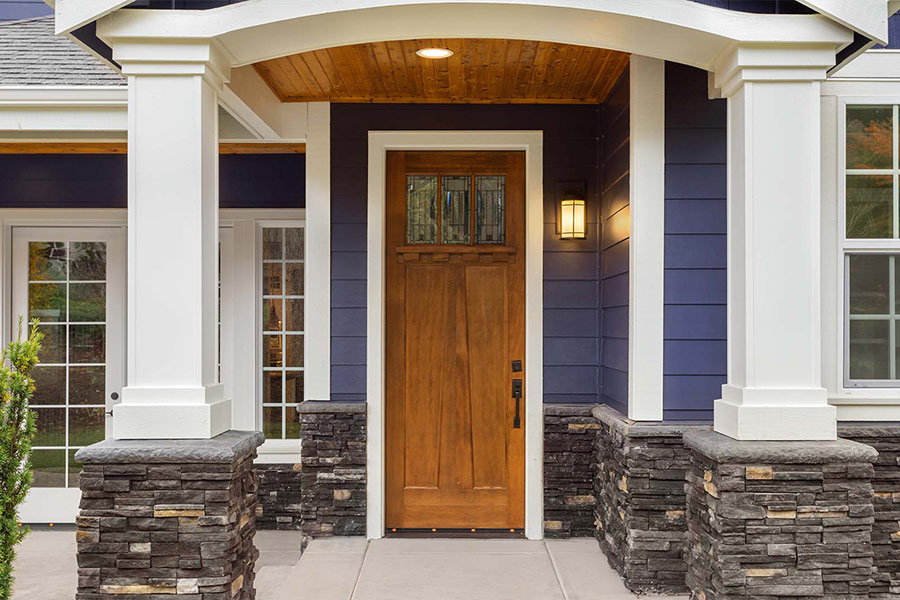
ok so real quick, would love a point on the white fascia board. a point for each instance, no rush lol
(868, 17)
(64, 109)
(874, 64)
(685, 31)
(72, 14)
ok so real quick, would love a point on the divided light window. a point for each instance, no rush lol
(870, 247)
(282, 330)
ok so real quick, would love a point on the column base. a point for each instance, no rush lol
(569, 437)
(171, 414)
(785, 519)
(775, 414)
(168, 519)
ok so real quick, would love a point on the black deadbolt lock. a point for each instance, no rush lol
(517, 366)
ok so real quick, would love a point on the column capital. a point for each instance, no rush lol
(742, 63)
(190, 57)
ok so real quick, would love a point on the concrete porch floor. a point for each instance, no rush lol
(390, 569)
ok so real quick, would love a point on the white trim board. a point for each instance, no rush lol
(531, 142)
(646, 306)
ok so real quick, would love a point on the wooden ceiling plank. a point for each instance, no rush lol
(479, 71)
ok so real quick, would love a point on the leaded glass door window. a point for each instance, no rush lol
(456, 209)
(72, 280)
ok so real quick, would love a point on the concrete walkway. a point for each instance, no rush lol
(390, 569)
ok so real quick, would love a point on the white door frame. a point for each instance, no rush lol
(531, 142)
(60, 505)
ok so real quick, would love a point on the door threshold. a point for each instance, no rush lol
(454, 533)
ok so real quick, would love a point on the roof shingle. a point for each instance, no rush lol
(32, 54)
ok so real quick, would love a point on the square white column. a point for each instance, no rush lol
(173, 390)
(774, 389)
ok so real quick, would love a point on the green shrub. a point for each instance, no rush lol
(17, 428)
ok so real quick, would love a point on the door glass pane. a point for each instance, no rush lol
(67, 292)
(47, 302)
(870, 206)
(869, 137)
(48, 468)
(490, 209)
(46, 261)
(455, 209)
(421, 209)
(283, 325)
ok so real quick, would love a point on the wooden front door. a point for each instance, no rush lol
(455, 340)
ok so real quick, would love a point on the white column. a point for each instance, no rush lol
(317, 383)
(173, 219)
(774, 389)
(648, 215)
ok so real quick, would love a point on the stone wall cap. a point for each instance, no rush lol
(331, 406)
(869, 429)
(225, 448)
(645, 429)
(569, 410)
(724, 449)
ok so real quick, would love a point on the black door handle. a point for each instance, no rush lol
(517, 394)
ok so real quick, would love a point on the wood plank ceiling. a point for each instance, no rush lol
(480, 71)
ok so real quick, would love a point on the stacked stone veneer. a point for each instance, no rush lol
(168, 519)
(333, 473)
(885, 438)
(279, 496)
(569, 434)
(779, 519)
(640, 509)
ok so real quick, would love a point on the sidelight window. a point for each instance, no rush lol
(282, 330)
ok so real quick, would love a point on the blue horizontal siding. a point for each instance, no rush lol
(695, 324)
(571, 268)
(13, 10)
(101, 181)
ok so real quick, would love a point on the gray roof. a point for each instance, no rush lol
(32, 54)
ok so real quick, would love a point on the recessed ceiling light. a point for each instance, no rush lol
(434, 52)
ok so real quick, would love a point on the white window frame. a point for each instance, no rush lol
(858, 400)
(244, 328)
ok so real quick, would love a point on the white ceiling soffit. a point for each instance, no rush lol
(868, 17)
(72, 14)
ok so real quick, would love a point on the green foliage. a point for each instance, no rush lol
(17, 428)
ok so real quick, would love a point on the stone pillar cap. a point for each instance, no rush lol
(724, 449)
(224, 449)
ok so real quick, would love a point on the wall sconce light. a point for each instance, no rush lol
(572, 219)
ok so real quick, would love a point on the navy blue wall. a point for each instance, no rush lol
(615, 218)
(571, 268)
(100, 181)
(695, 247)
(11, 10)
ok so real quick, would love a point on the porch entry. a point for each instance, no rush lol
(455, 340)
(73, 280)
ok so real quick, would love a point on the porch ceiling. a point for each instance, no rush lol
(480, 71)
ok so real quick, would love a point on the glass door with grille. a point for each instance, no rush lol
(72, 280)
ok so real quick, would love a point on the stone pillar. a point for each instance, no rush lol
(640, 510)
(774, 389)
(569, 434)
(778, 519)
(885, 439)
(333, 472)
(173, 221)
(167, 519)
(279, 496)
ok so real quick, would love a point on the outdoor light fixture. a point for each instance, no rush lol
(434, 52)
(572, 211)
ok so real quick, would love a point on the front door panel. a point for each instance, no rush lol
(73, 281)
(454, 325)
